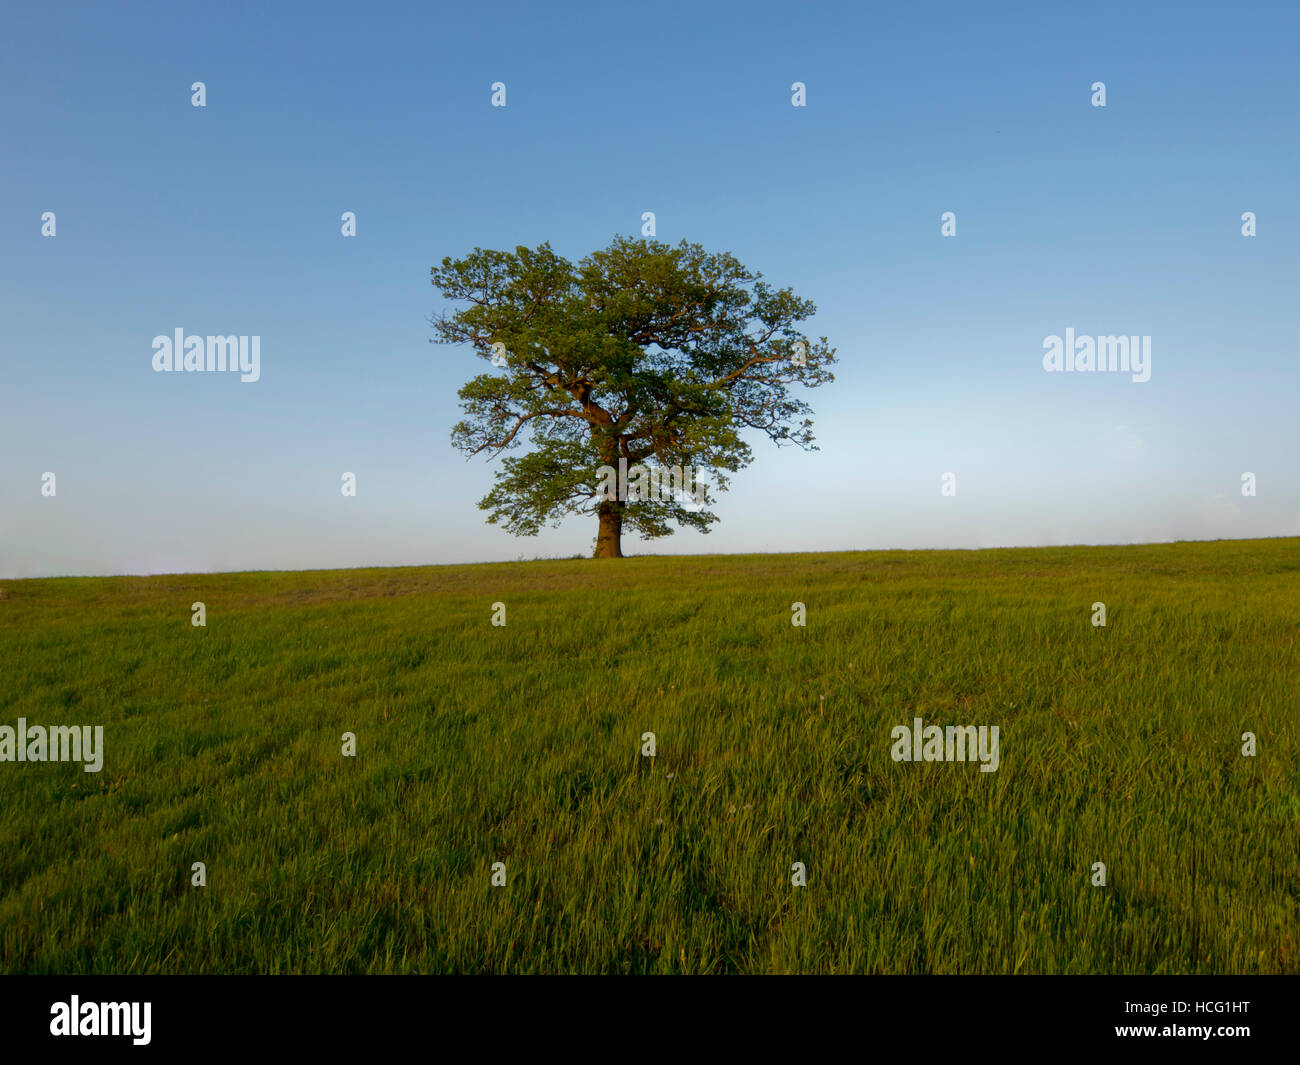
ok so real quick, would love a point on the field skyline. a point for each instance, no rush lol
(577, 555)
(679, 489)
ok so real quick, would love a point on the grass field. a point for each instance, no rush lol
(521, 744)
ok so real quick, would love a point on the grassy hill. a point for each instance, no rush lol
(521, 744)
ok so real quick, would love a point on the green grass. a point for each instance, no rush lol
(479, 744)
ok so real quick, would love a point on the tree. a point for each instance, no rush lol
(655, 355)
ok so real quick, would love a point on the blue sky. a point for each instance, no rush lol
(226, 220)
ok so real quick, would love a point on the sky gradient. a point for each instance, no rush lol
(226, 220)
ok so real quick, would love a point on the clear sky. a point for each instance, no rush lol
(225, 219)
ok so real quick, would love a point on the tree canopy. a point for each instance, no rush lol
(660, 356)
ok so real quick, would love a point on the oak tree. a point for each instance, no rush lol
(657, 355)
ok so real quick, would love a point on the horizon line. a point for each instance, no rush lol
(631, 558)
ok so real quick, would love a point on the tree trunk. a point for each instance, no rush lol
(609, 540)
